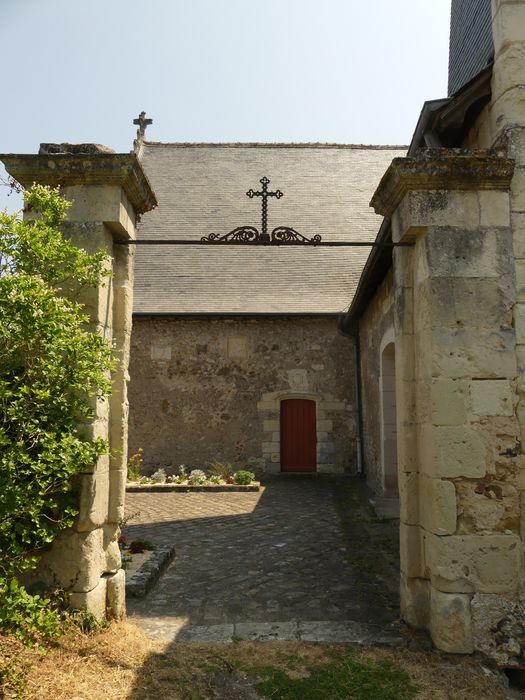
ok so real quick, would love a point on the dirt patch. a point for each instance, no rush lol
(121, 663)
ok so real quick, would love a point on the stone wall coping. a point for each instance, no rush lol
(442, 169)
(87, 168)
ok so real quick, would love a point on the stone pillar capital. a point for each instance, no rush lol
(93, 177)
(441, 170)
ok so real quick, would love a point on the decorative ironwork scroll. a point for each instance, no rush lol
(284, 234)
(241, 234)
(281, 235)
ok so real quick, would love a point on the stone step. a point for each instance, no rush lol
(386, 507)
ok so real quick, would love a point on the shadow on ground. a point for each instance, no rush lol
(305, 559)
(302, 550)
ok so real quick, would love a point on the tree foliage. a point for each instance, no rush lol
(52, 370)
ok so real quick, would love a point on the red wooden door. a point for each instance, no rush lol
(298, 436)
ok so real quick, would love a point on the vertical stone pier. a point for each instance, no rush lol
(458, 431)
(109, 192)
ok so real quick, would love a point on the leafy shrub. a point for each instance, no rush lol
(197, 477)
(135, 465)
(159, 477)
(243, 477)
(221, 469)
(27, 617)
(214, 479)
(52, 372)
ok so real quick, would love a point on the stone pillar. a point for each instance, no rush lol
(109, 193)
(458, 433)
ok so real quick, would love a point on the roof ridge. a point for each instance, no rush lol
(270, 144)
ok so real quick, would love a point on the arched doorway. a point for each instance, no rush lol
(298, 435)
(388, 420)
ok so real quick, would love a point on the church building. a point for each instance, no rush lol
(236, 353)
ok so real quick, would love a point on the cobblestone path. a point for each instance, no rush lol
(302, 549)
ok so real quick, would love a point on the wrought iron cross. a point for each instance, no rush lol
(264, 194)
(250, 235)
(142, 123)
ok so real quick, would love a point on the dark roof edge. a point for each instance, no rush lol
(260, 144)
(237, 314)
(374, 272)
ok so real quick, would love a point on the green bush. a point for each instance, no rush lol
(52, 372)
(221, 469)
(243, 477)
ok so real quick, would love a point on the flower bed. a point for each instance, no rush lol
(219, 477)
(134, 487)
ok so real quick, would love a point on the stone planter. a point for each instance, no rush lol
(133, 487)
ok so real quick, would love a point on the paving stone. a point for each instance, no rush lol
(338, 562)
(348, 632)
(266, 631)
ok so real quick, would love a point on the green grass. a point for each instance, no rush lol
(345, 678)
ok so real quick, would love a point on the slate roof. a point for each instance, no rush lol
(201, 190)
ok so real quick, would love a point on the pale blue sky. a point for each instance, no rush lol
(347, 71)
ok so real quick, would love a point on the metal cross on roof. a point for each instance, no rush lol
(142, 123)
(249, 234)
(264, 194)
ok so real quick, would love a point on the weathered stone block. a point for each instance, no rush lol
(403, 310)
(455, 253)
(271, 447)
(418, 210)
(451, 451)
(117, 495)
(76, 561)
(112, 550)
(519, 323)
(415, 601)
(494, 208)
(407, 453)
(498, 627)
(93, 503)
(520, 278)
(518, 230)
(92, 601)
(508, 20)
(474, 353)
(271, 425)
(160, 352)
(403, 262)
(411, 551)
(492, 397)
(474, 563)
(469, 302)
(408, 484)
(448, 398)
(508, 108)
(488, 506)
(438, 505)
(450, 622)
(116, 595)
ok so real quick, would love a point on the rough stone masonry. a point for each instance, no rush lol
(109, 191)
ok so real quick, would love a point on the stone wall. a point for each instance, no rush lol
(374, 325)
(108, 191)
(207, 389)
(458, 433)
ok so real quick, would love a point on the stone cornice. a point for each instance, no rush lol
(66, 169)
(441, 169)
